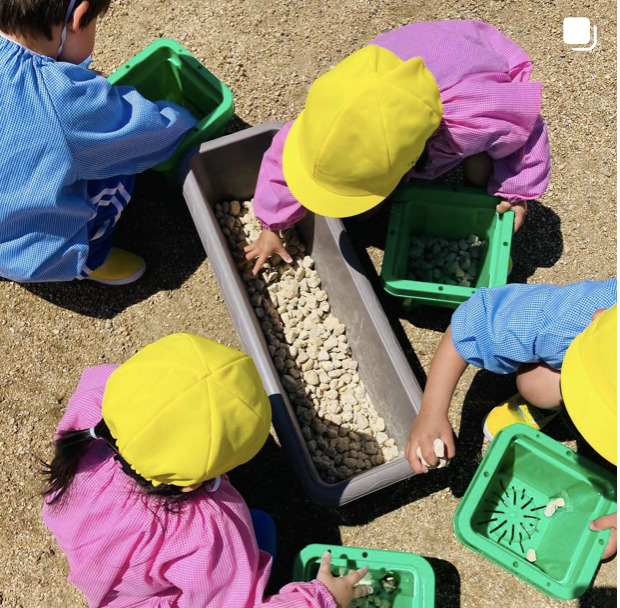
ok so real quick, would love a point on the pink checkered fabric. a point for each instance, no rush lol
(124, 552)
(489, 105)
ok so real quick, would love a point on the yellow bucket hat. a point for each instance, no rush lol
(186, 409)
(589, 384)
(364, 126)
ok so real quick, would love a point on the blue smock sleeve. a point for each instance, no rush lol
(500, 328)
(112, 130)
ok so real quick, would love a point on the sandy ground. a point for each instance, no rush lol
(268, 53)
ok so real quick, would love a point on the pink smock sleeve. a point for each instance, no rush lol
(503, 121)
(489, 103)
(503, 116)
(524, 174)
(210, 555)
(296, 595)
(274, 204)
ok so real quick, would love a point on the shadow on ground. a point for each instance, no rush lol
(268, 483)
(602, 597)
(538, 244)
(155, 225)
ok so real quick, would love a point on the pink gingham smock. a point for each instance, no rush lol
(489, 105)
(124, 555)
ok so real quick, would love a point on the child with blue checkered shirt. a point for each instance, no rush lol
(70, 146)
(560, 341)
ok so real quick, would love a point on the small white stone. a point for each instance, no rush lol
(307, 365)
(438, 450)
(311, 377)
(381, 438)
(550, 509)
(531, 555)
(378, 425)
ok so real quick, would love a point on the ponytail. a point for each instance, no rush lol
(70, 447)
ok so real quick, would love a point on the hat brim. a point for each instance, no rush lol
(310, 194)
(598, 425)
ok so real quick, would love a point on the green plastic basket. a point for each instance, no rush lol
(416, 579)
(166, 70)
(502, 514)
(449, 212)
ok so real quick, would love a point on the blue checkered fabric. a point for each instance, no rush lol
(64, 128)
(500, 328)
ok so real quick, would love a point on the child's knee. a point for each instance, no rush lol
(540, 385)
(478, 169)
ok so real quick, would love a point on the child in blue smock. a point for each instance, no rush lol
(70, 145)
(560, 341)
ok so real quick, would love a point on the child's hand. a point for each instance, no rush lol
(520, 210)
(342, 587)
(428, 426)
(604, 523)
(268, 243)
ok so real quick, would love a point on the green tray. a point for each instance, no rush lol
(166, 70)
(416, 587)
(501, 516)
(450, 212)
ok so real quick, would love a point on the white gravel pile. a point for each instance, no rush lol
(308, 344)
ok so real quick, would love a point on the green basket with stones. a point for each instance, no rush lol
(166, 70)
(443, 243)
(398, 579)
(528, 507)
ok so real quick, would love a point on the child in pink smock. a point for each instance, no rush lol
(416, 102)
(137, 495)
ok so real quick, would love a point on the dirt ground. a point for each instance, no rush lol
(268, 53)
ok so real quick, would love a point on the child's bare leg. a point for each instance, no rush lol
(540, 385)
(478, 169)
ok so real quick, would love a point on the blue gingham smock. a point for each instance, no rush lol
(63, 129)
(500, 328)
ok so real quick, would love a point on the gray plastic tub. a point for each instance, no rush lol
(226, 169)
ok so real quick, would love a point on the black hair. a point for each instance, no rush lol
(69, 449)
(423, 159)
(38, 17)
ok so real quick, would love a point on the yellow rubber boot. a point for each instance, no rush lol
(121, 268)
(516, 410)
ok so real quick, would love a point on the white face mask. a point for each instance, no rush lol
(64, 29)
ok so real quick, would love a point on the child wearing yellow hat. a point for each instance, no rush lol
(560, 341)
(416, 102)
(137, 494)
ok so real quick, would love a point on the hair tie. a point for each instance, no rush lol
(91, 430)
(215, 485)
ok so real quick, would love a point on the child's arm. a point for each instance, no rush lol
(524, 174)
(340, 591)
(274, 204)
(432, 422)
(112, 130)
(207, 555)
